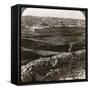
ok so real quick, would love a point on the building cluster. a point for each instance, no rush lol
(34, 25)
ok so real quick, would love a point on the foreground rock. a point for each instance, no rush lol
(66, 66)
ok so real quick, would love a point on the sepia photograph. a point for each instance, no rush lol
(53, 44)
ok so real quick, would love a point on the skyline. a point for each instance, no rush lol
(74, 14)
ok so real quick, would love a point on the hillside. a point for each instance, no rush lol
(67, 66)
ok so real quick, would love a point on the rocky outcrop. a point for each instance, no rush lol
(59, 67)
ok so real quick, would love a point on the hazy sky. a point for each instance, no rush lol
(53, 13)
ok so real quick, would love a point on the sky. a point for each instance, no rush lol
(53, 13)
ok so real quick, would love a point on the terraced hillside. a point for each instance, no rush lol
(48, 54)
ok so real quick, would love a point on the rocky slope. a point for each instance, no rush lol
(67, 66)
